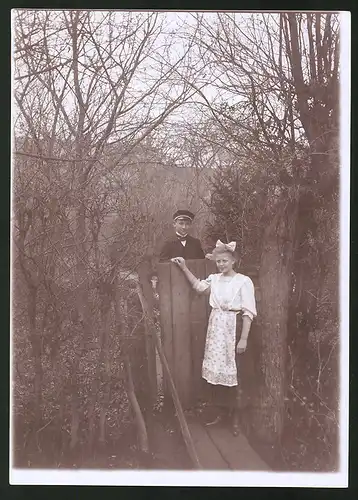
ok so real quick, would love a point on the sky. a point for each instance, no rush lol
(174, 36)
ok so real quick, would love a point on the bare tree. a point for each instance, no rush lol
(85, 82)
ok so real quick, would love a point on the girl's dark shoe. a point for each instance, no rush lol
(235, 430)
(235, 427)
(214, 421)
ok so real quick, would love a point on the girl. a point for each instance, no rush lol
(230, 293)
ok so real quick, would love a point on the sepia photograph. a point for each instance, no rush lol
(180, 188)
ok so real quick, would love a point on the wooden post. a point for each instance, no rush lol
(198, 328)
(183, 317)
(165, 305)
(145, 291)
(182, 365)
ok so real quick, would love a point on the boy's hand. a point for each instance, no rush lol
(241, 346)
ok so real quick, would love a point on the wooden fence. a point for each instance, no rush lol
(184, 317)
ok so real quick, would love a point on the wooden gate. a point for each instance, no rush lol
(184, 317)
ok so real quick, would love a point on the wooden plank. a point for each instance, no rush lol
(236, 451)
(180, 295)
(198, 326)
(209, 456)
(166, 318)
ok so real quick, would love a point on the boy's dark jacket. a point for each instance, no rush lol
(174, 248)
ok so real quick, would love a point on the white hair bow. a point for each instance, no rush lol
(229, 246)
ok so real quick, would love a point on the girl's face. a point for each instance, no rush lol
(225, 262)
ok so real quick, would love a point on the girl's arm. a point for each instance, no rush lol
(246, 325)
(249, 312)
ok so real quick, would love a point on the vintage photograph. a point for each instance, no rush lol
(179, 285)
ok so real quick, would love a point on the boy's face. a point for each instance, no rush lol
(182, 226)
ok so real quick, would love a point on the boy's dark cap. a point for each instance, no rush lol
(183, 214)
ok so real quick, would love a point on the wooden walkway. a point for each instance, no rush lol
(218, 449)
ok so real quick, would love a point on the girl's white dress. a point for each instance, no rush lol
(228, 297)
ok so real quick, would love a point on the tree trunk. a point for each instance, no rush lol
(275, 285)
(302, 310)
(310, 268)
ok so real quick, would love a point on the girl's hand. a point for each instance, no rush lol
(179, 261)
(241, 346)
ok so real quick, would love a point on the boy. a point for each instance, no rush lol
(183, 245)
